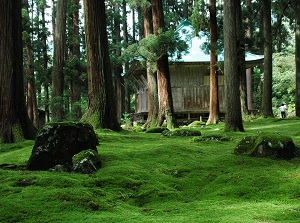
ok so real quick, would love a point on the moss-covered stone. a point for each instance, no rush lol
(87, 161)
(57, 143)
(181, 132)
(267, 145)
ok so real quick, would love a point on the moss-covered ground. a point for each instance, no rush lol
(150, 178)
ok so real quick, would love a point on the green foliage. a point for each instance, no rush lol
(284, 82)
(200, 16)
(126, 119)
(153, 47)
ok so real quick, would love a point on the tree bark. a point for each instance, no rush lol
(15, 124)
(126, 65)
(233, 116)
(151, 77)
(45, 67)
(75, 95)
(118, 69)
(166, 109)
(101, 110)
(32, 107)
(241, 60)
(214, 99)
(297, 56)
(249, 71)
(267, 81)
(59, 40)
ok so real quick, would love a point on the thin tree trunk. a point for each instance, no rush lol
(126, 66)
(297, 56)
(75, 94)
(45, 67)
(59, 39)
(241, 60)
(214, 99)
(267, 81)
(32, 107)
(249, 71)
(118, 69)
(233, 115)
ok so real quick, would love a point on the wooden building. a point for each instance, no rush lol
(189, 80)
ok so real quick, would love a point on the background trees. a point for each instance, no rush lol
(125, 26)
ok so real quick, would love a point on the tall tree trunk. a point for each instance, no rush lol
(118, 69)
(249, 71)
(214, 99)
(45, 67)
(59, 39)
(297, 56)
(151, 77)
(166, 109)
(15, 124)
(233, 115)
(32, 107)
(241, 60)
(75, 95)
(267, 81)
(101, 111)
(126, 66)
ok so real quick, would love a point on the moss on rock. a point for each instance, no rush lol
(57, 143)
(267, 145)
(87, 161)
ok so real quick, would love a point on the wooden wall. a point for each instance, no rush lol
(190, 89)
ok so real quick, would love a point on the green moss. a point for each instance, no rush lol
(213, 137)
(18, 133)
(245, 146)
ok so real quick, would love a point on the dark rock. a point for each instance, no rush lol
(57, 143)
(267, 145)
(87, 161)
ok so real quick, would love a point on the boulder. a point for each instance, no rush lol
(270, 145)
(57, 143)
(87, 161)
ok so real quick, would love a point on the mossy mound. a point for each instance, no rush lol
(197, 124)
(156, 129)
(57, 143)
(181, 132)
(87, 161)
(267, 145)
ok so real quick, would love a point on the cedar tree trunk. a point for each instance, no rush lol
(101, 111)
(233, 115)
(15, 124)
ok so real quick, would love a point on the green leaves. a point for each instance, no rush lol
(153, 47)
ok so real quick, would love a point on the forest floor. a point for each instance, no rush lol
(151, 178)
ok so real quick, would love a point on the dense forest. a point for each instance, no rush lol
(68, 60)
